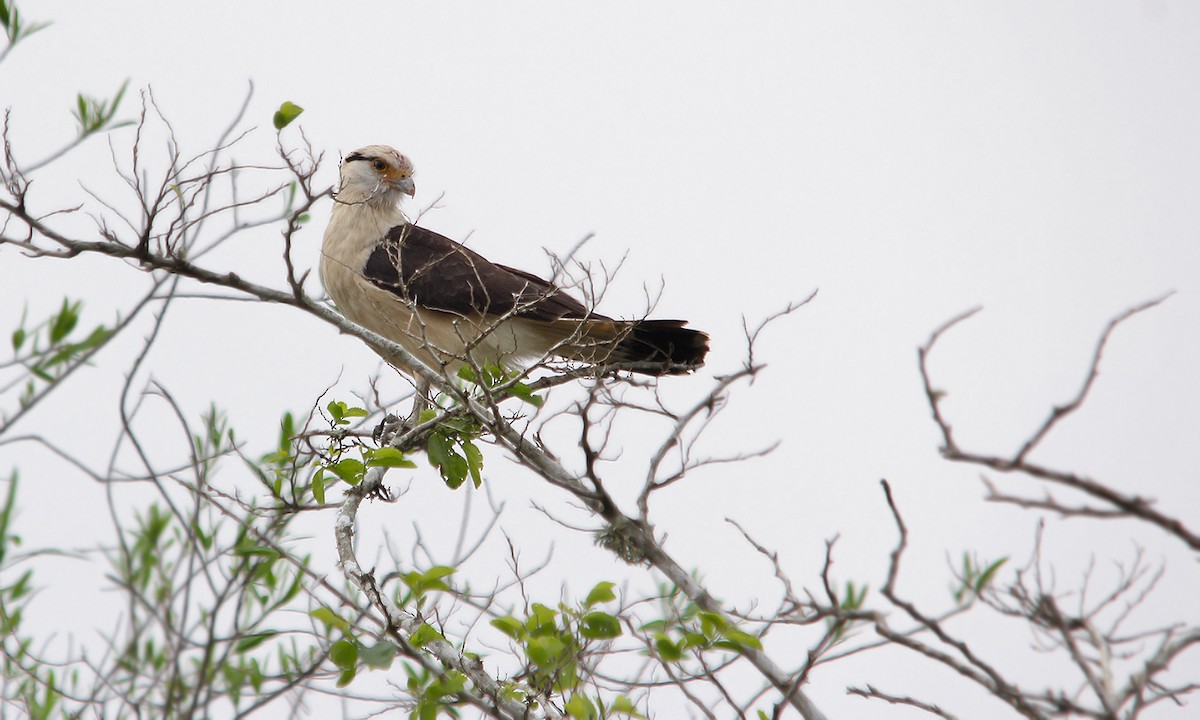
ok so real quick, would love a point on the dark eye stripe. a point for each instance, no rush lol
(356, 156)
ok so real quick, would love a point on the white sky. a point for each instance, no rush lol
(910, 162)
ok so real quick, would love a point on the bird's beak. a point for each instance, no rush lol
(405, 185)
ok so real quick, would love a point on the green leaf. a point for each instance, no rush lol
(349, 470)
(441, 453)
(654, 626)
(454, 682)
(988, 575)
(389, 457)
(543, 619)
(510, 626)
(420, 586)
(94, 339)
(603, 592)
(581, 707)
(437, 572)
(451, 685)
(454, 471)
(329, 619)
(741, 640)
(248, 548)
(854, 598)
(424, 635)
(600, 626)
(287, 430)
(318, 486)
(437, 449)
(975, 579)
(287, 112)
(524, 393)
(6, 516)
(474, 462)
(711, 624)
(18, 338)
(667, 649)
(344, 654)
(545, 651)
(341, 412)
(21, 587)
(252, 641)
(63, 323)
(379, 656)
(95, 115)
(625, 706)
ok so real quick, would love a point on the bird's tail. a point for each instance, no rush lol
(658, 347)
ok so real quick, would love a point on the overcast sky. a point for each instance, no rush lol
(909, 161)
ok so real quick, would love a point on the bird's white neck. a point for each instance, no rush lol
(356, 227)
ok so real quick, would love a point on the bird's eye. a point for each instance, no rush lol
(378, 164)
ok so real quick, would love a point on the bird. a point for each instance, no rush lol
(450, 307)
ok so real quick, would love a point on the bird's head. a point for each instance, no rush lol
(377, 175)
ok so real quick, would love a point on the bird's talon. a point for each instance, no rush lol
(387, 429)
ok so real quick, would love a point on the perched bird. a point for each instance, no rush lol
(442, 301)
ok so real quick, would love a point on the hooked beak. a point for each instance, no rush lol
(405, 185)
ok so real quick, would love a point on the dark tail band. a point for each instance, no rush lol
(667, 342)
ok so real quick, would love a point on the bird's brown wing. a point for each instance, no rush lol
(437, 273)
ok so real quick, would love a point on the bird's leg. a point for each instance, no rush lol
(387, 429)
(393, 425)
(420, 401)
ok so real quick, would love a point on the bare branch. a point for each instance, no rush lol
(1121, 503)
(1061, 411)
